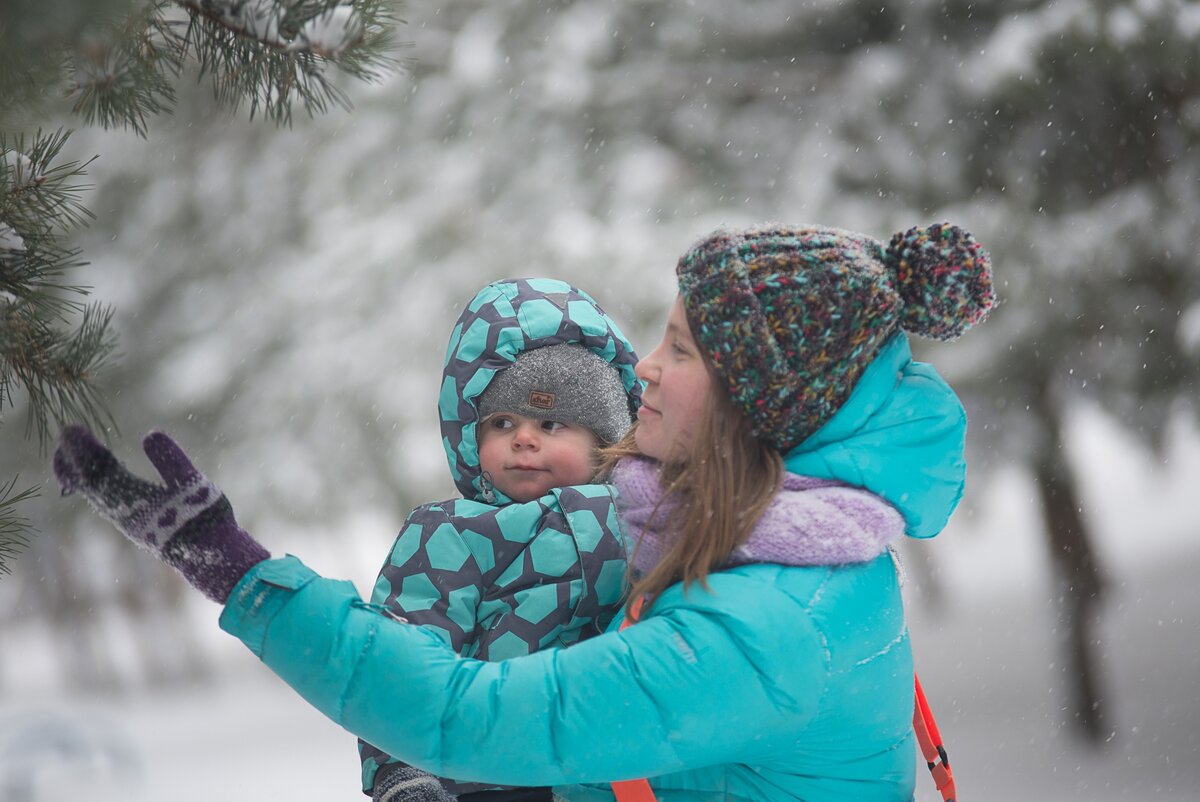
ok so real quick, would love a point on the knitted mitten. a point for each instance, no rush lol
(188, 523)
(397, 782)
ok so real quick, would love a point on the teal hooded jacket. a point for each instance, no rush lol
(498, 578)
(773, 683)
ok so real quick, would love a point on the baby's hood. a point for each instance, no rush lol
(503, 319)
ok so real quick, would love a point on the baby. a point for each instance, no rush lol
(537, 378)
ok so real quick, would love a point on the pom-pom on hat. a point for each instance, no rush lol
(790, 317)
(567, 383)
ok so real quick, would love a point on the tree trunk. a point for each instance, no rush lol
(1077, 577)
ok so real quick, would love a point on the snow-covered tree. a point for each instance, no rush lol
(594, 141)
(1068, 132)
(116, 63)
(52, 344)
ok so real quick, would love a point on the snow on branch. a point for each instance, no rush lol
(331, 33)
(327, 33)
(120, 64)
(38, 194)
(11, 242)
(273, 53)
(254, 19)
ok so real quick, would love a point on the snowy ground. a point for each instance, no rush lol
(993, 675)
(987, 656)
(245, 736)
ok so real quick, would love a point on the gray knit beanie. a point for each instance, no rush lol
(567, 383)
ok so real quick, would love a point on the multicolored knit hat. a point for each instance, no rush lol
(791, 317)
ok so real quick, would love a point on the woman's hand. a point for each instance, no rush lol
(186, 522)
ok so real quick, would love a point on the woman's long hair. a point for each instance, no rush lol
(718, 490)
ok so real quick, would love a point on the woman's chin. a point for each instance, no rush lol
(647, 443)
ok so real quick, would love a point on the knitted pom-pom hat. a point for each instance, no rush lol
(790, 317)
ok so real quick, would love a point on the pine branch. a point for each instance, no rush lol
(123, 72)
(37, 195)
(39, 202)
(274, 53)
(52, 345)
(57, 369)
(15, 529)
(34, 277)
(35, 36)
(119, 62)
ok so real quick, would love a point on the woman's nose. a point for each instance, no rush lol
(646, 368)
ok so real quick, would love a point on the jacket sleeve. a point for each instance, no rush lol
(689, 686)
(430, 578)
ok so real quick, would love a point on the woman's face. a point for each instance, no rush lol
(678, 385)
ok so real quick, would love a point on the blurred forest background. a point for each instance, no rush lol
(282, 297)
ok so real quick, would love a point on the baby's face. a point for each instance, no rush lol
(526, 457)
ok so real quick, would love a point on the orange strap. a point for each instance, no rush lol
(926, 728)
(633, 790)
(930, 741)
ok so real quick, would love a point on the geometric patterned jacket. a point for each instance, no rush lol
(496, 578)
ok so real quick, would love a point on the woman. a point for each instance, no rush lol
(748, 675)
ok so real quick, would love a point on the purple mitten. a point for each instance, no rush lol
(188, 523)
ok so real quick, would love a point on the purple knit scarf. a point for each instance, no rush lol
(809, 522)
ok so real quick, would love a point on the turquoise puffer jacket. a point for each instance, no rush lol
(774, 683)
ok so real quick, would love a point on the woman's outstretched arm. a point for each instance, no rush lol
(661, 696)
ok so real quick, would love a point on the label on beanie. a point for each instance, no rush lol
(541, 400)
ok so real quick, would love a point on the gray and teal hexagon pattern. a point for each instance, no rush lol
(503, 319)
(503, 579)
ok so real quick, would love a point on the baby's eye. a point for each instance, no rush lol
(553, 426)
(501, 423)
